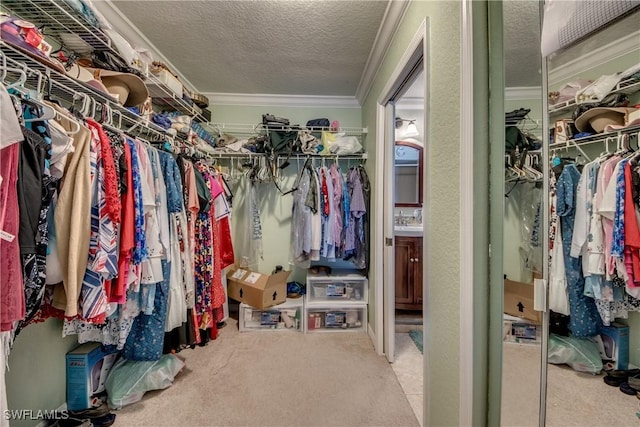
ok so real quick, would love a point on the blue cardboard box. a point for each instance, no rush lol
(615, 349)
(87, 368)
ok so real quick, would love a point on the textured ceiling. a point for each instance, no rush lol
(522, 58)
(307, 47)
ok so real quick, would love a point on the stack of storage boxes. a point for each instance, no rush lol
(336, 302)
(286, 316)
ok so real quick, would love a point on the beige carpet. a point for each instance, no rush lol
(278, 379)
(573, 398)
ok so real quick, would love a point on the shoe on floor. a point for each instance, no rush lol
(75, 422)
(614, 381)
(622, 373)
(104, 421)
(627, 389)
(94, 412)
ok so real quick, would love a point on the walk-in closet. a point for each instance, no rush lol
(319, 213)
(150, 230)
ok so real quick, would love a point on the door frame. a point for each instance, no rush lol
(385, 141)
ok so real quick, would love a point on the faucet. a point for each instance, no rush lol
(401, 219)
(418, 215)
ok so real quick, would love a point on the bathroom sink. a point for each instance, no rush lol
(408, 230)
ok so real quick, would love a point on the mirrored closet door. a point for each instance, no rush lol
(523, 179)
(593, 121)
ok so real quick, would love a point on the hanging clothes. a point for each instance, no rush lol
(12, 306)
(329, 217)
(35, 191)
(355, 243)
(301, 227)
(336, 184)
(73, 223)
(177, 310)
(585, 320)
(102, 262)
(558, 298)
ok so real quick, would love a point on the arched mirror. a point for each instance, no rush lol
(408, 174)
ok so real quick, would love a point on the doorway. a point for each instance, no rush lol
(402, 144)
(407, 200)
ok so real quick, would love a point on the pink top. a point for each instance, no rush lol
(12, 306)
(607, 212)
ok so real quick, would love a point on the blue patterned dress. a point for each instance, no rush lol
(585, 320)
(146, 339)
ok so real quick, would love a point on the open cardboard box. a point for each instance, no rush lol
(257, 289)
(518, 301)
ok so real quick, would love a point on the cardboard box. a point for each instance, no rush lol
(615, 345)
(518, 301)
(256, 289)
(87, 368)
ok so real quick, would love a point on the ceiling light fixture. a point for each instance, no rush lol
(412, 130)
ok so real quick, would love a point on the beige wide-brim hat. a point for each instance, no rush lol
(129, 88)
(600, 117)
(84, 75)
(632, 118)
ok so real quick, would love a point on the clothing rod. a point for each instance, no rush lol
(362, 156)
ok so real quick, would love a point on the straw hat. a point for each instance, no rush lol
(600, 117)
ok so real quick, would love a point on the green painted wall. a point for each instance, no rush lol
(275, 209)
(36, 375)
(442, 362)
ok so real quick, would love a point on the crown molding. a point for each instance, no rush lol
(120, 23)
(522, 92)
(601, 55)
(413, 103)
(390, 22)
(271, 100)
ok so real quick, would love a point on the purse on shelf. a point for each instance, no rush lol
(108, 61)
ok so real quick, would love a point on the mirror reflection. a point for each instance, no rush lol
(594, 123)
(522, 258)
(408, 173)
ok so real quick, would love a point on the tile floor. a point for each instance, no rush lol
(408, 369)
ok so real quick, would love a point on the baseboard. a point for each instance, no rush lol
(372, 337)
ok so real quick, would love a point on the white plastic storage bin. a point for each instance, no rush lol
(282, 317)
(336, 318)
(337, 288)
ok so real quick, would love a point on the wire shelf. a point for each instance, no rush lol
(66, 89)
(164, 96)
(62, 21)
(606, 137)
(251, 129)
(598, 138)
(627, 86)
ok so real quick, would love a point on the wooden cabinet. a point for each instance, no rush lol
(408, 273)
